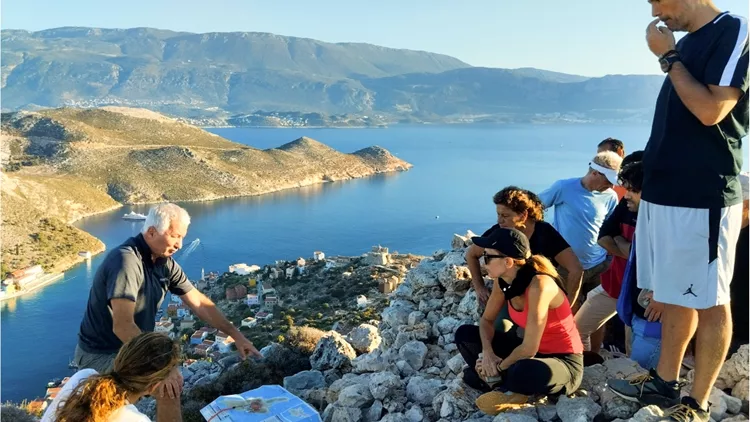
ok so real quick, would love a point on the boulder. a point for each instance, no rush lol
(357, 395)
(579, 409)
(413, 353)
(421, 390)
(454, 278)
(332, 352)
(365, 338)
(304, 380)
(385, 385)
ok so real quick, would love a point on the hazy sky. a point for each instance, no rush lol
(586, 37)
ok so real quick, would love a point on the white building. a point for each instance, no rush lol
(164, 327)
(289, 272)
(319, 256)
(243, 269)
(265, 288)
(252, 299)
(226, 345)
(362, 301)
(270, 300)
(249, 322)
(263, 316)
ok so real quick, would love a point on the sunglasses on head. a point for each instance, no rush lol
(488, 257)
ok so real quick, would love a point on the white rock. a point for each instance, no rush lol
(622, 368)
(371, 362)
(448, 325)
(403, 291)
(457, 258)
(648, 414)
(338, 385)
(365, 338)
(357, 395)
(405, 369)
(513, 417)
(430, 305)
(423, 276)
(738, 418)
(394, 417)
(415, 414)
(421, 390)
(741, 390)
(413, 353)
(346, 414)
(734, 405)
(332, 352)
(547, 412)
(384, 385)
(579, 409)
(469, 308)
(454, 278)
(459, 242)
(456, 364)
(397, 315)
(734, 370)
(718, 404)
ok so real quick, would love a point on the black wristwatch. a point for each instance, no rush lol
(668, 59)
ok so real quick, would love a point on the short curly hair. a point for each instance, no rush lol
(520, 201)
(631, 176)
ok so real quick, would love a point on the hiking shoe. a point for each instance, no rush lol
(496, 402)
(647, 389)
(687, 411)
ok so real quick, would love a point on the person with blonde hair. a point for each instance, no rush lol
(548, 358)
(581, 204)
(140, 366)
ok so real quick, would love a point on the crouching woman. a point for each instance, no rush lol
(545, 355)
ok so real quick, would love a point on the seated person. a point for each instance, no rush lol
(548, 359)
(139, 367)
(520, 209)
(615, 236)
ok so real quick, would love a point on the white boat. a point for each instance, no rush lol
(85, 254)
(133, 216)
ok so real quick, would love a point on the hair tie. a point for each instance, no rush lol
(116, 378)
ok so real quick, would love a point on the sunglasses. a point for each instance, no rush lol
(487, 257)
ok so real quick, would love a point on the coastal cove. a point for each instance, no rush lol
(449, 190)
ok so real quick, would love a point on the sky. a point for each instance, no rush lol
(584, 37)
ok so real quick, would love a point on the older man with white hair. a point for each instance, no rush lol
(581, 206)
(129, 287)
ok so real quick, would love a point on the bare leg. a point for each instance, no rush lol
(168, 410)
(597, 338)
(678, 325)
(712, 342)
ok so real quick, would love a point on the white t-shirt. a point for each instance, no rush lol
(127, 413)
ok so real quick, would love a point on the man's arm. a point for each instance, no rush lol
(487, 321)
(207, 311)
(568, 260)
(123, 322)
(473, 253)
(710, 104)
(550, 196)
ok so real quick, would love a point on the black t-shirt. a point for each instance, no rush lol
(545, 240)
(686, 163)
(128, 273)
(613, 225)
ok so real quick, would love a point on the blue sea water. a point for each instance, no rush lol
(456, 171)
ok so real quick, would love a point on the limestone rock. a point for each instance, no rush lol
(469, 308)
(346, 414)
(346, 381)
(413, 353)
(332, 352)
(357, 395)
(414, 414)
(365, 338)
(457, 258)
(385, 385)
(304, 380)
(648, 414)
(375, 412)
(579, 409)
(415, 318)
(398, 314)
(423, 276)
(421, 390)
(456, 364)
(454, 278)
(741, 390)
(734, 370)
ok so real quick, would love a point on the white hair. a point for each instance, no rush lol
(161, 217)
(608, 159)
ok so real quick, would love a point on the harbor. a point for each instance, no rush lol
(34, 278)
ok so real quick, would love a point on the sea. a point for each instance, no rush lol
(457, 169)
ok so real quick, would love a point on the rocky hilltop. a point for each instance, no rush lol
(64, 164)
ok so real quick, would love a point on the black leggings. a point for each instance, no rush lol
(540, 375)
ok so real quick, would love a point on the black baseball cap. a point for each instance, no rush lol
(509, 242)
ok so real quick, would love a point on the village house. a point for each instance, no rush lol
(362, 301)
(271, 301)
(289, 272)
(301, 265)
(172, 310)
(183, 311)
(209, 330)
(265, 288)
(198, 337)
(203, 348)
(249, 322)
(319, 256)
(226, 345)
(263, 316)
(37, 406)
(252, 299)
(221, 336)
(164, 327)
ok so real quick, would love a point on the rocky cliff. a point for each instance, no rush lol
(64, 164)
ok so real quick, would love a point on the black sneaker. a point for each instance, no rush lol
(647, 389)
(688, 411)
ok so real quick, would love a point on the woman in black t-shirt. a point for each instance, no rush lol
(521, 209)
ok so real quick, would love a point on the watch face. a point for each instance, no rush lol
(664, 65)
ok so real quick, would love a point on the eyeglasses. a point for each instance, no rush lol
(487, 257)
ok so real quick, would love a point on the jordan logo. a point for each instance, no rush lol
(689, 291)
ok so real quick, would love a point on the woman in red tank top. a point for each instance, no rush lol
(547, 357)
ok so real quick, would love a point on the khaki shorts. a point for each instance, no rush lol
(591, 278)
(101, 363)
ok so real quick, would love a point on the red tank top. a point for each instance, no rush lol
(560, 335)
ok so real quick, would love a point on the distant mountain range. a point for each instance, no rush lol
(231, 78)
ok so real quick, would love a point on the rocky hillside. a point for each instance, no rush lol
(265, 79)
(64, 164)
(412, 371)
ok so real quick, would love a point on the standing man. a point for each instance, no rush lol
(581, 206)
(691, 212)
(129, 287)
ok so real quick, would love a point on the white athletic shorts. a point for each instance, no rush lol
(686, 255)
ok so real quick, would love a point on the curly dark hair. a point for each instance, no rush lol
(631, 176)
(520, 201)
(614, 145)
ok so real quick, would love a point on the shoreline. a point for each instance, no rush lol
(37, 286)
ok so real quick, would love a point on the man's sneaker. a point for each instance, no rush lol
(647, 389)
(496, 402)
(687, 411)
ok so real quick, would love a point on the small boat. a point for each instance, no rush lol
(54, 383)
(72, 365)
(85, 254)
(133, 216)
